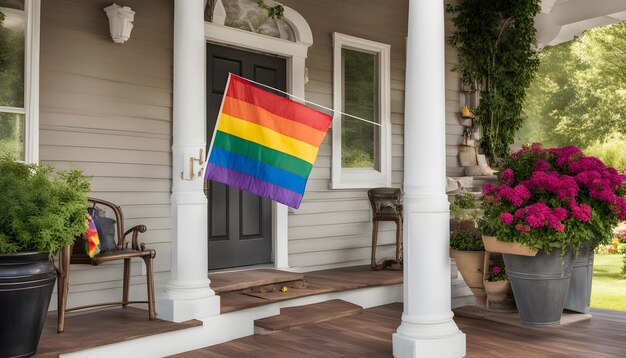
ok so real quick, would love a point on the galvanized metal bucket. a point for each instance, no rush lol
(540, 284)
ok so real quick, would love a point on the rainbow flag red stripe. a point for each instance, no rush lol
(264, 143)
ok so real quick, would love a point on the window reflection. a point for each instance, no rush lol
(12, 47)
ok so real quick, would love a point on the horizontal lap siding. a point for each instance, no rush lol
(334, 226)
(454, 128)
(107, 108)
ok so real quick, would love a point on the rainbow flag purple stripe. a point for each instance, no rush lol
(264, 143)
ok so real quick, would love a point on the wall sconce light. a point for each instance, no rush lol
(120, 22)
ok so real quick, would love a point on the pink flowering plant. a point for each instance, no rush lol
(497, 272)
(554, 198)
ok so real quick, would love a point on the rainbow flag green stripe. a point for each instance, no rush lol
(262, 154)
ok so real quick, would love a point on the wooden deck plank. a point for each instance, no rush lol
(512, 318)
(238, 280)
(369, 335)
(292, 317)
(89, 329)
(317, 282)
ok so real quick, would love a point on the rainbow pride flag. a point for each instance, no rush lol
(264, 143)
(92, 241)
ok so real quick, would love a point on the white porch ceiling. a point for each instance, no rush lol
(562, 20)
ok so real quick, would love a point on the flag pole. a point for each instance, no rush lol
(306, 101)
(217, 122)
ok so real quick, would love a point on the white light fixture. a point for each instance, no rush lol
(120, 22)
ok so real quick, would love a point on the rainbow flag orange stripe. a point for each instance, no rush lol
(264, 143)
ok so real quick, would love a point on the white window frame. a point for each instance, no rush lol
(31, 83)
(346, 178)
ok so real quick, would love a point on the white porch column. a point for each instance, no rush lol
(427, 328)
(188, 294)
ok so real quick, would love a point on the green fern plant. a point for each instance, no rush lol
(40, 209)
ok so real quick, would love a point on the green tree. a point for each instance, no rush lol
(551, 90)
(579, 94)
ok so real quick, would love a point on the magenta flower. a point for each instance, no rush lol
(488, 189)
(560, 213)
(508, 176)
(548, 191)
(496, 269)
(506, 218)
(541, 165)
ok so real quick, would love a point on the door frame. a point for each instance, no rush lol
(295, 53)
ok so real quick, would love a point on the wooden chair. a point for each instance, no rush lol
(386, 206)
(76, 254)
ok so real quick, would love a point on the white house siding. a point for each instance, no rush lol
(333, 227)
(454, 129)
(107, 108)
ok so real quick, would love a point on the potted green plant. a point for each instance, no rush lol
(467, 250)
(41, 211)
(465, 207)
(555, 201)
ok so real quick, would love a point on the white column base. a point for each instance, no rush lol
(424, 347)
(180, 310)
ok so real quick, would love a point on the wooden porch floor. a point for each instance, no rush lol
(369, 335)
(89, 329)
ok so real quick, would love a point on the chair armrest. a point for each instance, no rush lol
(135, 230)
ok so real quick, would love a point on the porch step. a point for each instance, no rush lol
(292, 317)
(259, 281)
(479, 181)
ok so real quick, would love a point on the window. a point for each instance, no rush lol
(361, 87)
(19, 77)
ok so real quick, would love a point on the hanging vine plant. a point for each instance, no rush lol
(495, 40)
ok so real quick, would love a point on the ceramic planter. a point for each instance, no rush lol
(540, 284)
(470, 265)
(26, 283)
(513, 248)
(499, 296)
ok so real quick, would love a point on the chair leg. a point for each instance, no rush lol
(374, 243)
(150, 285)
(399, 241)
(126, 282)
(63, 284)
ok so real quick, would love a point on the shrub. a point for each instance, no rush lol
(464, 240)
(610, 152)
(40, 210)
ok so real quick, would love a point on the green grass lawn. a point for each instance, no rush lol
(609, 287)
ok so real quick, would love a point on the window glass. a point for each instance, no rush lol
(360, 140)
(12, 47)
(12, 134)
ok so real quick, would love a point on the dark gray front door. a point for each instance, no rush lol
(240, 223)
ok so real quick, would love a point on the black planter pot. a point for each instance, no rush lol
(26, 283)
(540, 284)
